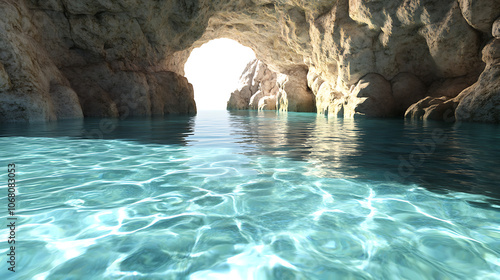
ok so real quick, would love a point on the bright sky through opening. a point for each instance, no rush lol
(214, 70)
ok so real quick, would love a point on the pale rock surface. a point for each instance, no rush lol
(406, 90)
(293, 93)
(480, 14)
(267, 103)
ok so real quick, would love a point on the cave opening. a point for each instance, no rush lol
(214, 70)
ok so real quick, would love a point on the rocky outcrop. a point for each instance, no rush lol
(256, 90)
(480, 102)
(262, 89)
(69, 59)
(65, 59)
(31, 86)
(432, 108)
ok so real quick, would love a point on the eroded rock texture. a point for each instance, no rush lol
(66, 58)
(257, 89)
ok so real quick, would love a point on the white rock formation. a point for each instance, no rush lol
(257, 83)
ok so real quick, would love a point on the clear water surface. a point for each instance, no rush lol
(249, 195)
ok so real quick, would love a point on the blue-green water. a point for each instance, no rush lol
(250, 195)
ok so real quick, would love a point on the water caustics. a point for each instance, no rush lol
(251, 195)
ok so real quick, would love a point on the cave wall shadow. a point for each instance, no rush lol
(167, 130)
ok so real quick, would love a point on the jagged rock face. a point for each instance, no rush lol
(256, 88)
(65, 58)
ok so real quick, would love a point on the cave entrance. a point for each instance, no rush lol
(214, 70)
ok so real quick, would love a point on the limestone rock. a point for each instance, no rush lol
(256, 82)
(293, 93)
(481, 101)
(130, 93)
(33, 89)
(432, 108)
(240, 98)
(371, 97)
(116, 51)
(491, 52)
(450, 87)
(480, 14)
(453, 44)
(65, 101)
(495, 30)
(5, 83)
(267, 103)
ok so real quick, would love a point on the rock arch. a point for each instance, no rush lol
(65, 59)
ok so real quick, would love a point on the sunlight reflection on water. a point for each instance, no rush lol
(252, 196)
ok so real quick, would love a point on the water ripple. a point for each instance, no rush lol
(110, 209)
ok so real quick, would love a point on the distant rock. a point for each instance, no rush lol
(480, 14)
(256, 82)
(66, 59)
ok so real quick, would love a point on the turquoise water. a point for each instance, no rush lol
(250, 195)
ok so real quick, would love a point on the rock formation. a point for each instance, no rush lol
(257, 89)
(68, 59)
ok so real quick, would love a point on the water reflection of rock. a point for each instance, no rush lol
(438, 156)
(170, 130)
(274, 134)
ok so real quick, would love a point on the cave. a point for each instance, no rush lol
(340, 58)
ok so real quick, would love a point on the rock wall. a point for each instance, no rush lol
(65, 58)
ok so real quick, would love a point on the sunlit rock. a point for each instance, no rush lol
(371, 97)
(293, 93)
(134, 44)
(481, 101)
